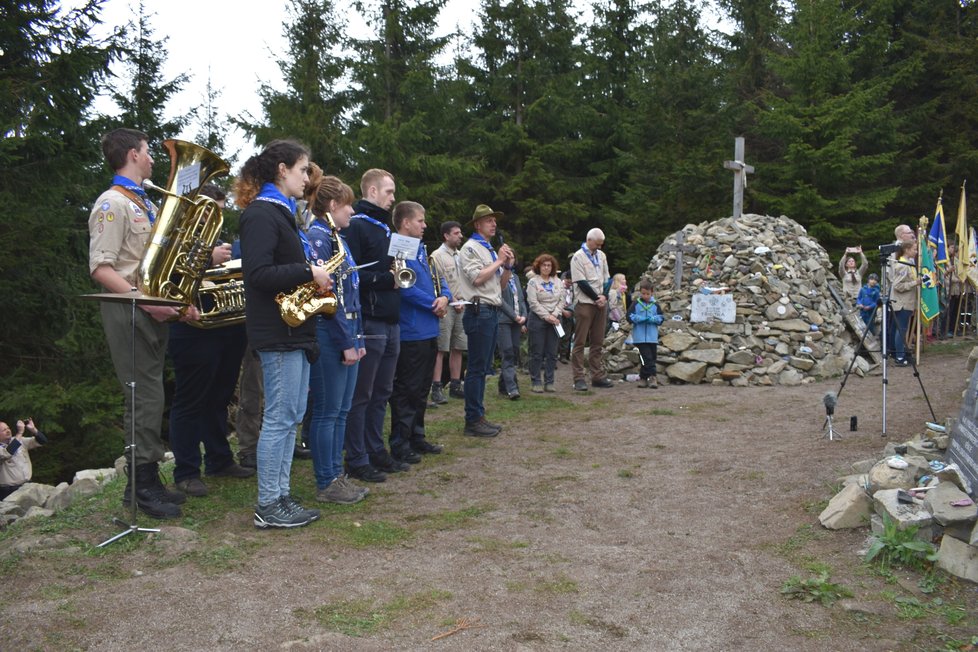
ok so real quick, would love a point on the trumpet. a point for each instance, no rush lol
(404, 276)
(435, 274)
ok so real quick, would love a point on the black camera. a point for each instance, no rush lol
(888, 249)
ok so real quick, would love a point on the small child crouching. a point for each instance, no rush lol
(646, 317)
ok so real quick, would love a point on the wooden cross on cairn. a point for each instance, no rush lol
(740, 170)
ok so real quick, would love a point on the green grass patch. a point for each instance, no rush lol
(912, 608)
(559, 584)
(490, 544)
(367, 534)
(449, 519)
(662, 412)
(815, 589)
(364, 616)
(803, 535)
(580, 618)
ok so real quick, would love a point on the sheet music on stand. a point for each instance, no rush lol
(403, 246)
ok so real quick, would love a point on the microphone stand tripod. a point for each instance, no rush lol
(887, 315)
(133, 298)
(830, 432)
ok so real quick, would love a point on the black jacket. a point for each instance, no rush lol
(273, 261)
(379, 299)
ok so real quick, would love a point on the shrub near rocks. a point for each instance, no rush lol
(789, 328)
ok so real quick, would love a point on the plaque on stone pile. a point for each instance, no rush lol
(963, 449)
(714, 307)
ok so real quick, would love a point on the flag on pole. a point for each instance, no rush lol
(938, 235)
(973, 259)
(964, 241)
(930, 305)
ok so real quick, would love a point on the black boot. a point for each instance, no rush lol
(455, 389)
(152, 498)
(438, 394)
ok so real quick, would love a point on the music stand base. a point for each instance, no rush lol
(130, 528)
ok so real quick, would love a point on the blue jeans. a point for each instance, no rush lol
(374, 384)
(868, 316)
(331, 383)
(480, 330)
(286, 378)
(900, 334)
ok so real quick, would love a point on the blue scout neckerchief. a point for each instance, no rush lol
(129, 184)
(595, 260)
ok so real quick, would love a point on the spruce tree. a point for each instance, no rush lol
(679, 134)
(839, 136)
(315, 104)
(143, 94)
(531, 126)
(411, 118)
(51, 345)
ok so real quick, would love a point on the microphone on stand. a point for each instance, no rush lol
(830, 400)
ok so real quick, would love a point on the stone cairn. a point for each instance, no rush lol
(789, 327)
(912, 486)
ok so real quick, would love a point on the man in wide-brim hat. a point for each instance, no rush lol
(481, 211)
(484, 273)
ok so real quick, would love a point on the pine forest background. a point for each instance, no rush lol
(856, 115)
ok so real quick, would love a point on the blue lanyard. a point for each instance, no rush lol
(361, 216)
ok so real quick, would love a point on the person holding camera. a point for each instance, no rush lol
(15, 461)
(904, 297)
(850, 275)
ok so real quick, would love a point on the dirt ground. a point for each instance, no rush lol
(621, 519)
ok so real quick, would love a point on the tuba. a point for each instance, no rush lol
(186, 227)
(220, 299)
(307, 300)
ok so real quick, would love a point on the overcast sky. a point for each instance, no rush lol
(240, 49)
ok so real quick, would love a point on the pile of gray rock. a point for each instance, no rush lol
(911, 485)
(34, 499)
(789, 328)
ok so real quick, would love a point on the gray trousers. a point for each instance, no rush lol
(151, 340)
(251, 394)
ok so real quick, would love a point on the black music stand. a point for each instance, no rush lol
(133, 298)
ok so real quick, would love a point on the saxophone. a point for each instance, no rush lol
(186, 227)
(307, 300)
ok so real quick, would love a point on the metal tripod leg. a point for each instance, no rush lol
(830, 432)
(131, 526)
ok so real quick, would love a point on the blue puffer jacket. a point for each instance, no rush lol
(645, 318)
